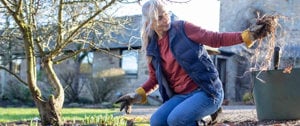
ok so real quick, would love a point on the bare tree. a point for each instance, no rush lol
(54, 31)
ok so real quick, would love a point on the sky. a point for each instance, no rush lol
(204, 13)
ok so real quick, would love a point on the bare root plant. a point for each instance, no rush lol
(264, 51)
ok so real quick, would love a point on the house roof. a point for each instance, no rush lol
(130, 37)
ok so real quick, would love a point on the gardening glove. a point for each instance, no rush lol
(252, 33)
(139, 96)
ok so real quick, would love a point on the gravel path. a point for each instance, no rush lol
(237, 115)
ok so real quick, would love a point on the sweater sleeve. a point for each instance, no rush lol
(210, 38)
(151, 84)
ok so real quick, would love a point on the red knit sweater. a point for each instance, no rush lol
(177, 78)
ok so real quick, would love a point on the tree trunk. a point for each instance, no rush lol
(50, 111)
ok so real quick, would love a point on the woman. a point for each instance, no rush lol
(188, 81)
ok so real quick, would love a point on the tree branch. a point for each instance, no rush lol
(16, 76)
(19, 7)
(7, 7)
(60, 24)
(178, 1)
(72, 34)
(68, 56)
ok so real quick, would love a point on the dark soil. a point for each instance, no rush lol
(260, 123)
(225, 123)
(67, 123)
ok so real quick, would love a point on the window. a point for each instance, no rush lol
(1, 62)
(129, 62)
(16, 64)
(86, 64)
(88, 58)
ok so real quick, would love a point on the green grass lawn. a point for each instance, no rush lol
(25, 114)
(22, 114)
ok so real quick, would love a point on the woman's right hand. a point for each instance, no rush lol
(251, 34)
(127, 101)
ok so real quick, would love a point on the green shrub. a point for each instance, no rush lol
(18, 93)
(104, 83)
(248, 98)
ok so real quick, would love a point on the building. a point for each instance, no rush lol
(237, 15)
(233, 63)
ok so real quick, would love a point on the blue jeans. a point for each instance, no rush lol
(186, 109)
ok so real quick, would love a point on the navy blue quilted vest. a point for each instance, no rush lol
(191, 56)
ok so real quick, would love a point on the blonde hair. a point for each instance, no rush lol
(149, 13)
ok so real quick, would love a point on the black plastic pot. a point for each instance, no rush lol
(277, 94)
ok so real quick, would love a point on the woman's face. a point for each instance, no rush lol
(162, 24)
